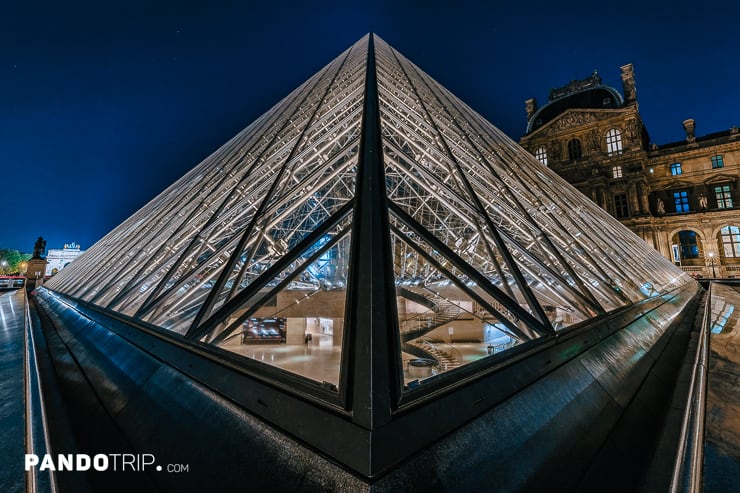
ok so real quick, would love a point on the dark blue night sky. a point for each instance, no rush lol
(104, 104)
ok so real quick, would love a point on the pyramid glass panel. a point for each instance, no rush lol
(296, 320)
(314, 181)
(426, 179)
(419, 263)
(445, 321)
(177, 313)
(312, 196)
(515, 203)
(168, 223)
(256, 239)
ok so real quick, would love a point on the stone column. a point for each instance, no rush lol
(710, 246)
(633, 198)
(602, 197)
(609, 204)
(643, 190)
(663, 243)
(649, 237)
(594, 197)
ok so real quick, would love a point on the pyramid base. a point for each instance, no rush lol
(126, 391)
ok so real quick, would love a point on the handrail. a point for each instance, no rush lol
(35, 409)
(430, 319)
(688, 468)
(497, 348)
(450, 351)
(453, 351)
(441, 312)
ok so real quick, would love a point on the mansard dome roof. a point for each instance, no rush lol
(589, 93)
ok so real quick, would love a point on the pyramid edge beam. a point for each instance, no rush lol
(371, 365)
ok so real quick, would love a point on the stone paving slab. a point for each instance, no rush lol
(722, 446)
(12, 408)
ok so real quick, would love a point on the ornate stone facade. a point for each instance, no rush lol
(58, 259)
(681, 198)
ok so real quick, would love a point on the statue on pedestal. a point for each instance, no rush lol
(39, 248)
(36, 265)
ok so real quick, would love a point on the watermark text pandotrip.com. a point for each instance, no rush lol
(100, 462)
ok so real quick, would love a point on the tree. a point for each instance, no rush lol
(11, 260)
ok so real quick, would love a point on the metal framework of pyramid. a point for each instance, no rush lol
(370, 231)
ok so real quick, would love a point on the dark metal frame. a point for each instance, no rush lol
(317, 416)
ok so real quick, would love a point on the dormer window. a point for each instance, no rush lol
(541, 155)
(574, 149)
(614, 142)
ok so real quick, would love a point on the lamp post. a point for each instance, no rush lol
(4, 265)
(711, 259)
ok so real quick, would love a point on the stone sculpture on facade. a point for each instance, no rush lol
(660, 207)
(628, 83)
(690, 127)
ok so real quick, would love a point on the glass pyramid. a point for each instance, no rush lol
(369, 231)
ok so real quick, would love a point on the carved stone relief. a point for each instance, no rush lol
(571, 120)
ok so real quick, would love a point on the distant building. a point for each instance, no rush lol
(59, 259)
(681, 197)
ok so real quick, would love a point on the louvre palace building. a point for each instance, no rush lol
(680, 197)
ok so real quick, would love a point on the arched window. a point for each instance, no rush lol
(730, 236)
(614, 142)
(541, 155)
(689, 246)
(574, 149)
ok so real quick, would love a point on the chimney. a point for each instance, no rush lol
(628, 84)
(531, 108)
(688, 126)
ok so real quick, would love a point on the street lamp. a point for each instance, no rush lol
(4, 264)
(711, 259)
